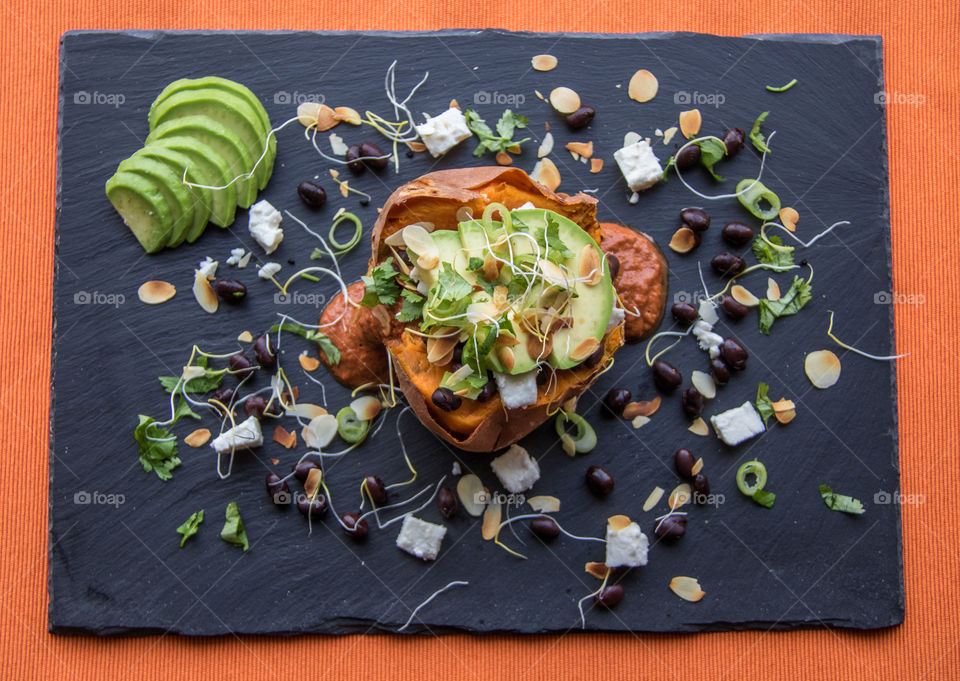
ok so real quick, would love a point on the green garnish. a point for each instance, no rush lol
(350, 428)
(840, 502)
(190, 526)
(477, 348)
(448, 297)
(557, 250)
(782, 88)
(326, 345)
(767, 252)
(671, 162)
(338, 247)
(583, 440)
(472, 384)
(751, 199)
(764, 405)
(759, 141)
(233, 532)
(201, 384)
(412, 306)
(755, 489)
(475, 264)
(183, 410)
(381, 286)
(764, 498)
(158, 454)
(501, 140)
(790, 303)
(711, 151)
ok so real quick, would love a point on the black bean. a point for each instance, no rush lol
(446, 400)
(230, 290)
(666, 376)
(720, 371)
(254, 406)
(616, 399)
(447, 502)
(727, 264)
(684, 461)
(371, 153)
(488, 391)
(696, 219)
(613, 264)
(594, 358)
(671, 527)
(353, 153)
(689, 157)
(311, 193)
(457, 355)
(543, 375)
(737, 234)
(692, 402)
(242, 366)
(278, 489)
(263, 349)
(733, 140)
(545, 527)
(223, 396)
(356, 526)
(734, 354)
(701, 489)
(581, 118)
(314, 507)
(376, 490)
(302, 469)
(610, 596)
(599, 481)
(685, 313)
(733, 309)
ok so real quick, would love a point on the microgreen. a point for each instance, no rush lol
(326, 345)
(503, 138)
(157, 448)
(412, 306)
(380, 285)
(233, 531)
(790, 303)
(201, 384)
(190, 526)
(757, 137)
(767, 253)
(840, 502)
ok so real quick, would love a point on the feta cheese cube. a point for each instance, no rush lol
(268, 270)
(704, 334)
(738, 425)
(208, 267)
(516, 469)
(420, 538)
(265, 225)
(517, 390)
(442, 133)
(626, 547)
(639, 165)
(242, 436)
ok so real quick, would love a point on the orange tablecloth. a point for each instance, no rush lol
(922, 56)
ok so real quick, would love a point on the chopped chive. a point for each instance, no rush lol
(782, 88)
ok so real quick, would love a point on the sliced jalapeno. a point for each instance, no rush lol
(758, 471)
(351, 428)
(754, 192)
(584, 438)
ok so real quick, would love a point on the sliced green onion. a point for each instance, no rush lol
(782, 88)
(340, 248)
(753, 193)
(584, 438)
(758, 471)
(351, 428)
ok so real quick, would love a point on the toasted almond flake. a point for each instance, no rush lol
(653, 498)
(417, 237)
(320, 431)
(309, 363)
(699, 427)
(515, 149)
(546, 145)
(416, 147)
(539, 95)
(704, 384)
(503, 159)
(454, 104)
(631, 138)
(437, 348)
(687, 588)
(491, 268)
(366, 407)
(697, 466)
(690, 122)
(585, 348)
(245, 337)
(307, 113)
(584, 149)
(618, 522)
(773, 289)
(543, 62)
(312, 484)
(596, 165)
(284, 437)
(591, 269)
(546, 173)
(571, 404)
(274, 461)
(156, 292)
(347, 115)
(743, 296)
(789, 217)
(345, 189)
(575, 155)
(648, 407)
(506, 357)
(544, 503)
(643, 86)
(295, 392)
(491, 520)
(245, 260)
(564, 100)
(304, 409)
(203, 292)
(634, 409)
(679, 496)
(567, 444)
(668, 134)
(192, 371)
(822, 368)
(326, 118)
(639, 421)
(784, 410)
(472, 494)
(428, 261)
(197, 438)
(382, 315)
(596, 569)
(683, 240)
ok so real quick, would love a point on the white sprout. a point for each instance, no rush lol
(432, 596)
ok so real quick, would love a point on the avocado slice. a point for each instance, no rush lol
(232, 86)
(210, 165)
(183, 167)
(224, 142)
(224, 107)
(172, 187)
(143, 207)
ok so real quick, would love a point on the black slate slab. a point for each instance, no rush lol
(115, 564)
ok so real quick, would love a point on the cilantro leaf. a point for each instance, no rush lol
(711, 151)
(502, 140)
(671, 162)
(190, 526)
(476, 349)
(841, 502)
(764, 498)
(201, 384)
(380, 286)
(557, 250)
(759, 141)
(764, 405)
(475, 264)
(233, 532)
(158, 454)
(452, 285)
(768, 255)
(327, 346)
(183, 410)
(789, 304)
(412, 306)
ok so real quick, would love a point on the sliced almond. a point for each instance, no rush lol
(416, 147)
(311, 486)
(687, 588)
(643, 86)
(367, 407)
(596, 165)
(631, 138)
(491, 520)
(307, 113)
(789, 217)
(344, 189)
(591, 269)
(437, 348)
(326, 118)
(822, 368)
(197, 438)
(417, 238)
(543, 62)
(697, 466)
(575, 155)
(653, 498)
(618, 522)
(584, 349)
(743, 296)
(699, 427)
(546, 173)
(285, 438)
(668, 134)
(320, 431)
(539, 95)
(564, 100)
(538, 347)
(309, 363)
(304, 409)
(515, 149)
(203, 292)
(690, 122)
(679, 496)
(504, 339)
(506, 357)
(428, 261)
(347, 115)
(773, 289)
(491, 268)
(546, 145)
(596, 569)
(584, 149)
(704, 384)
(156, 292)
(639, 421)
(245, 337)
(683, 240)
(784, 410)
(503, 159)
(643, 408)
(544, 504)
(472, 494)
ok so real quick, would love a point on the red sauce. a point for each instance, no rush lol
(359, 337)
(641, 281)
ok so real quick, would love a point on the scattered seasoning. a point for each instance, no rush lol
(156, 292)
(782, 88)
(841, 502)
(687, 588)
(643, 86)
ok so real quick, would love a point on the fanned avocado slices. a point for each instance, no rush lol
(210, 166)
(183, 166)
(143, 207)
(173, 189)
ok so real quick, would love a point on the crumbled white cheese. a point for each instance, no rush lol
(242, 436)
(518, 390)
(528, 204)
(708, 312)
(268, 270)
(639, 165)
(738, 425)
(626, 547)
(420, 538)
(617, 315)
(442, 133)
(208, 267)
(709, 341)
(516, 469)
(236, 254)
(455, 469)
(265, 225)
(245, 260)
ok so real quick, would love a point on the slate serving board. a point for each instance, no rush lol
(115, 564)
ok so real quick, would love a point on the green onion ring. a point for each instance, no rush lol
(758, 470)
(342, 248)
(585, 439)
(757, 192)
(350, 428)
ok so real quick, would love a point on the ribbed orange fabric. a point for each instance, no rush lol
(922, 56)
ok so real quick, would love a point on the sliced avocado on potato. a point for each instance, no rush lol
(184, 167)
(143, 207)
(171, 186)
